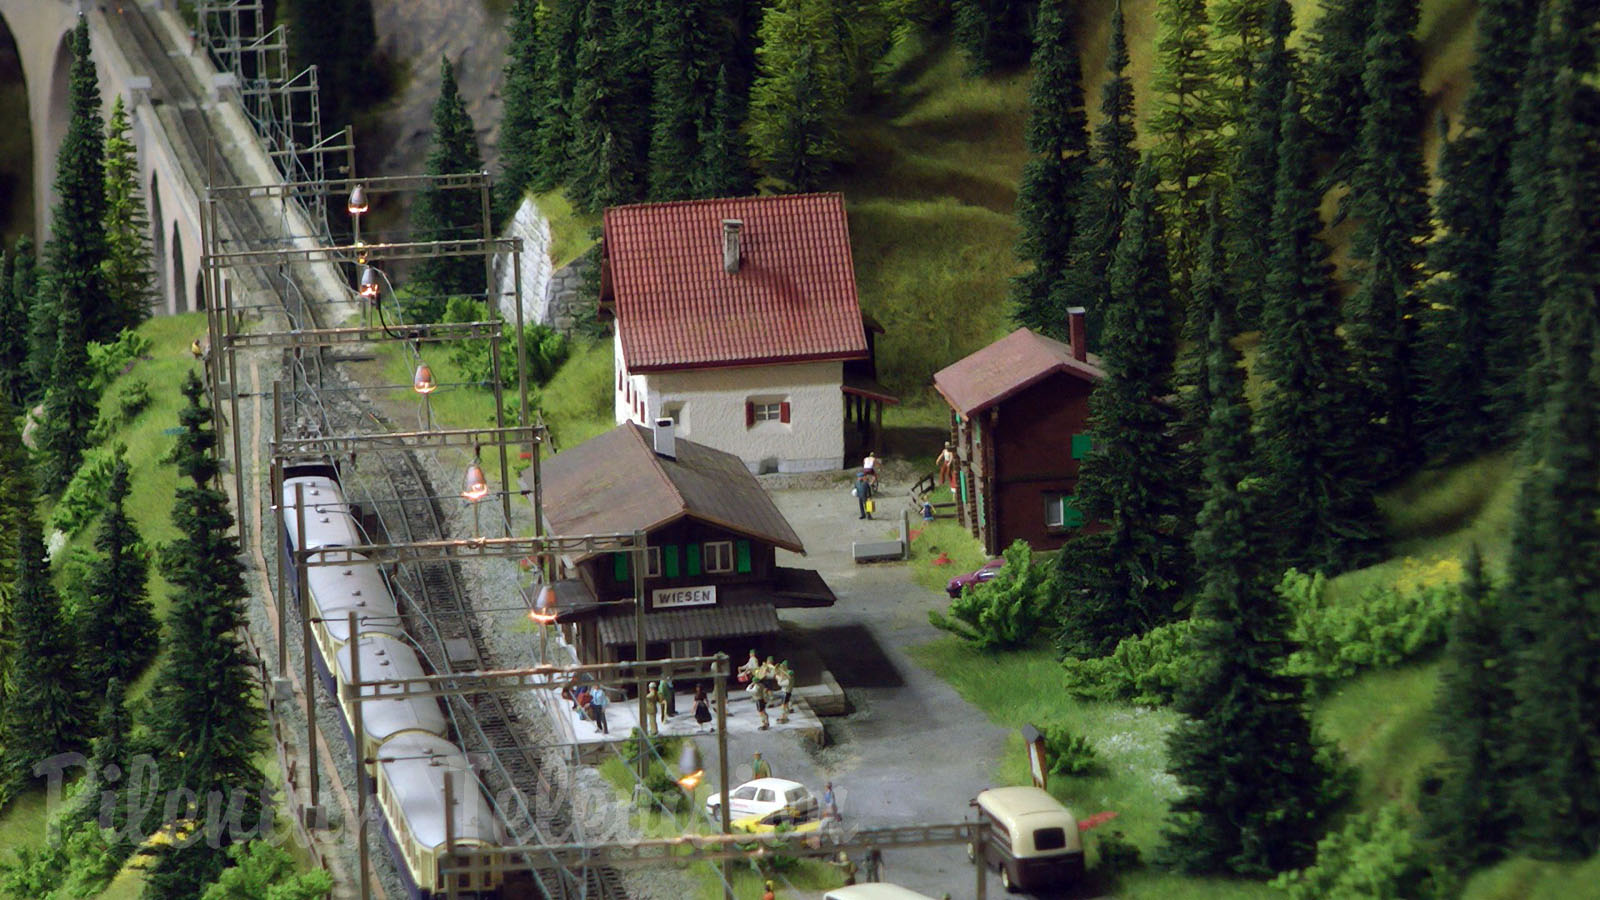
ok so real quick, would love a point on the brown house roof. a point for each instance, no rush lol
(792, 300)
(1017, 361)
(616, 482)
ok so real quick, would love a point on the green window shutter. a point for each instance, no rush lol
(669, 560)
(742, 564)
(1081, 444)
(619, 566)
(693, 554)
(1071, 515)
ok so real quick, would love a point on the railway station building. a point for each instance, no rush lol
(711, 583)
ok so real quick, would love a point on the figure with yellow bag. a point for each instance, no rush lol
(863, 492)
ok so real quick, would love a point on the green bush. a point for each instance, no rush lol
(1375, 855)
(106, 361)
(1385, 625)
(85, 496)
(132, 399)
(1117, 854)
(1145, 670)
(547, 349)
(1005, 613)
(1069, 754)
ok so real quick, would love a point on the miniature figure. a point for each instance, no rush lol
(785, 677)
(759, 767)
(947, 465)
(702, 707)
(761, 703)
(669, 697)
(652, 709)
(597, 709)
(863, 492)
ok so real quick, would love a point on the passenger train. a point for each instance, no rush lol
(406, 737)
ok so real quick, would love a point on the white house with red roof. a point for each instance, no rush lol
(738, 319)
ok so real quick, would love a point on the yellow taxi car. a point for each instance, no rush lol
(787, 820)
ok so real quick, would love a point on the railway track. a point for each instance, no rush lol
(439, 614)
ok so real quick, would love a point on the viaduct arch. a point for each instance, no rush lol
(42, 30)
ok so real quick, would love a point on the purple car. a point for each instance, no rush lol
(960, 582)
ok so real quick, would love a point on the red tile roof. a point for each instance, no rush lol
(792, 300)
(1015, 362)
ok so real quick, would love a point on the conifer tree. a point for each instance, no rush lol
(1466, 811)
(1471, 208)
(610, 109)
(47, 709)
(1519, 259)
(1241, 32)
(523, 120)
(445, 215)
(13, 332)
(118, 622)
(70, 405)
(1555, 574)
(205, 718)
(129, 277)
(1255, 793)
(1334, 65)
(77, 248)
(685, 68)
(1107, 186)
(1255, 174)
(1389, 197)
(44, 321)
(723, 169)
(797, 102)
(1210, 310)
(1052, 179)
(992, 34)
(1185, 128)
(16, 511)
(1129, 579)
(108, 767)
(1322, 512)
(560, 37)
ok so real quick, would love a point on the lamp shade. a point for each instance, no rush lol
(357, 204)
(475, 487)
(544, 609)
(690, 771)
(423, 382)
(369, 283)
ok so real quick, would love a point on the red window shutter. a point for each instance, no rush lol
(619, 379)
(783, 412)
(749, 414)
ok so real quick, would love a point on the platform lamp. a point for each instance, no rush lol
(356, 206)
(371, 290)
(544, 612)
(423, 383)
(690, 770)
(474, 488)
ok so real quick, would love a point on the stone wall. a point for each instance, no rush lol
(549, 297)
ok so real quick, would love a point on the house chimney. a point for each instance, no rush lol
(1078, 333)
(666, 438)
(730, 245)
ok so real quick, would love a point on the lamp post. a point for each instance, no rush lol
(422, 382)
(356, 206)
(544, 612)
(474, 488)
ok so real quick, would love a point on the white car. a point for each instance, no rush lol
(763, 796)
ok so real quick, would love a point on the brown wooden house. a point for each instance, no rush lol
(1019, 410)
(712, 582)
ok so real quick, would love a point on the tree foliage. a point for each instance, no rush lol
(1006, 612)
(442, 214)
(119, 621)
(1185, 128)
(1335, 63)
(524, 119)
(70, 406)
(1250, 193)
(13, 333)
(686, 82)
(610, 142)
(1373, 855)
(798, 100)
(128, 271)
(992, 34)
(76, 251)
(264, 871)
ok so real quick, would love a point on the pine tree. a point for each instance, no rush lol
(118, 622)
(797, 103)
(1255, 792)
(1555, 574)
(448, 215)
(1323, 514)
(1185, 128)
(1466, 810)
(77, 248)
(205, 718)
(44, 323)
(16, 512)
(523, 119)
(1210, 310)
(109, 765)
(685, 66)
(1130, 578)
(70, 406)
(1390, 199)
(129, 277)
(610, 109)
(992, 34)
(1334, 68)
(1242, 33)
(1255, 173)
(47, 709)
(723, 169)
(561, 35)
(1052, 179)
(1106, 189)
(1471, 208)
(13, 332)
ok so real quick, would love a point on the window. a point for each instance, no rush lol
(766, 409)
(719, 556)
(652, 562)
(764, 795)
(1060, 512)
(768, 412)
(673, 411)
(1049, 839)
(745, 793)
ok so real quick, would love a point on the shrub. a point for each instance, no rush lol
(1117, 854)
(1069, 754)
(1384, 626)
(131, 399)
(1375, 855)
(1005, 613)
(106, 361)
(547, 348)
(1146, 669)
(85, 496)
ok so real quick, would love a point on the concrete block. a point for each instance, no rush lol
(877, 551)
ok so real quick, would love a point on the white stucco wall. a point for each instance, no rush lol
(713, 411)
